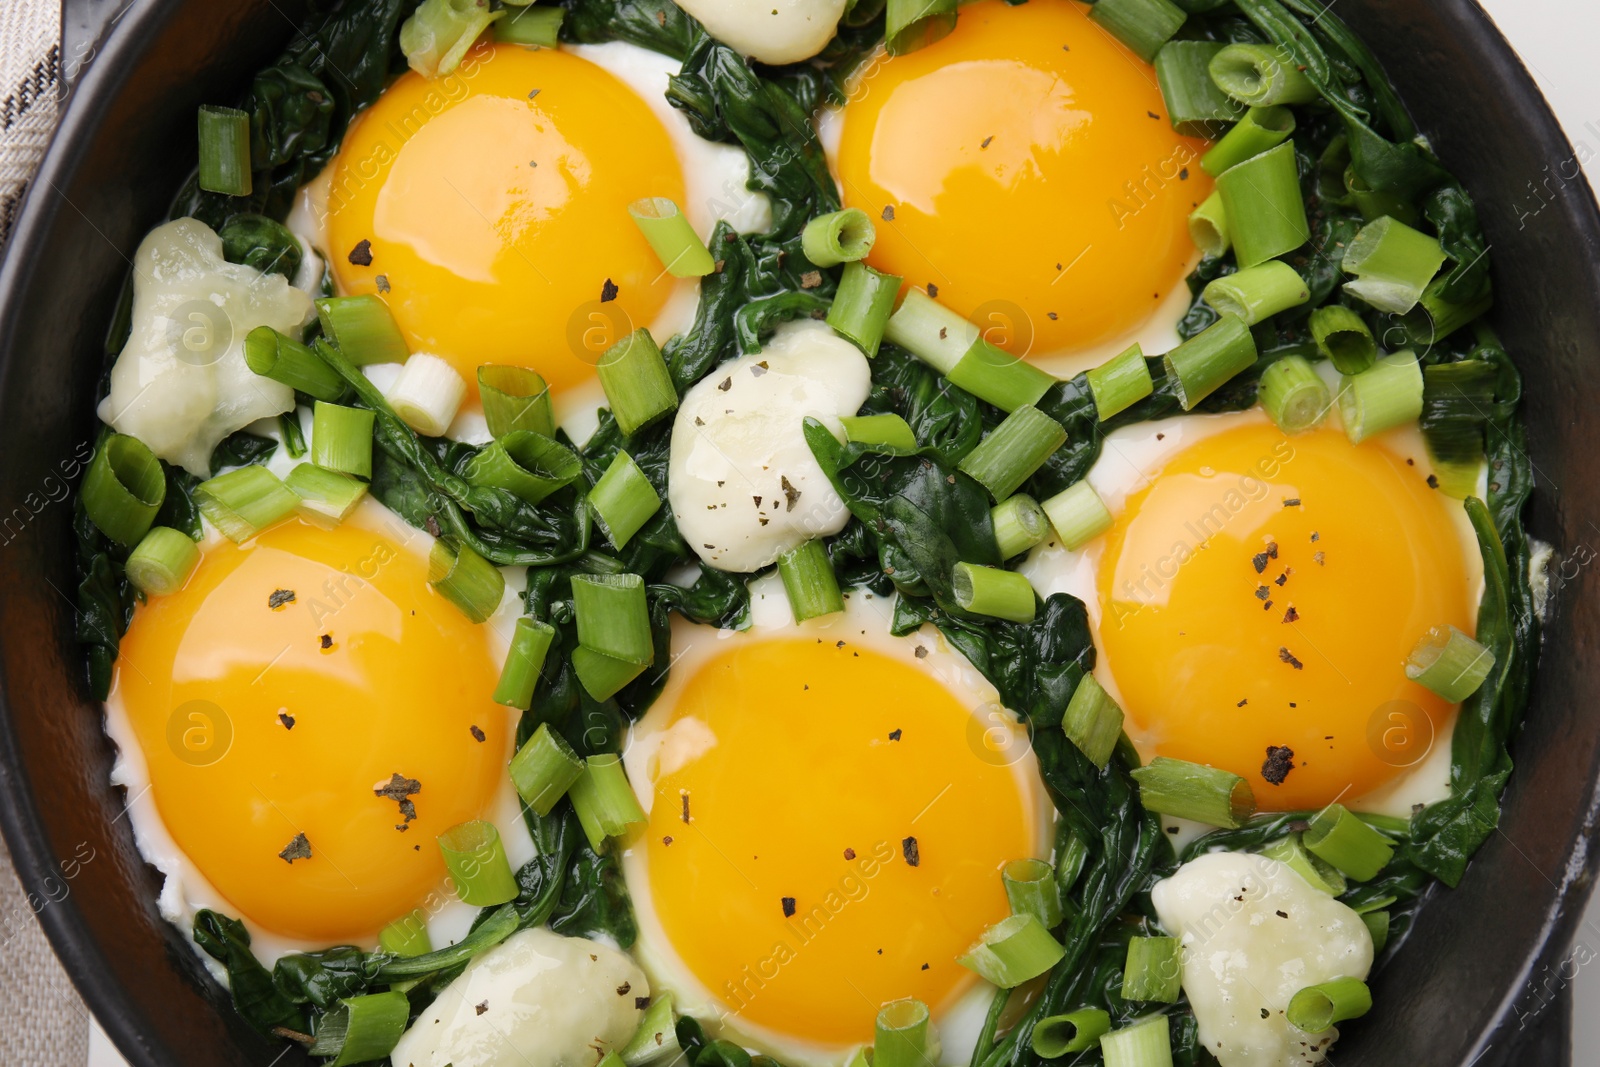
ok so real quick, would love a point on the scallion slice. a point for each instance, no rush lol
(1012, 451)
(603, 676)
(1259, 129)
(1187, 790)
(1078, 515)
(930, 331)
(1019, 524)
(1092, 721)
(901, 1035)
(838, 237)
(528, 465)
(1316, 1008)
(515, 398)
(244, 502)
(1266, 213)
(636, 382)
(1318, 873)
(407, 935)
(341, 438)
(1260, 75)
(1146, 1043)
(466, 579)
(1338, 836)
(671, 238)
(272, 355)
(604, 800)
(326, 497)
(1120, 382)
(477, 863)
(992, 591)
(1143, 25)
(536, 25)
(1031, 889)
(1293, 395)
(439, 32)
(1387, 395)
(224, 150)
(544, 769)
(1450, 663)
(1153, 970)
(889, 430)
(1393, 264)
(162, 561)
(1012, 951)
(1257, 292)
(1435, 318)
(809, 581)
(363, 328)
(1208, 226)
(362, 1029)
(1056, 1035)
(1374, 204)
(862, 305)
(990, 373)
(1344, 338)
(1456, 401)
(657, 1036)
(519, 676)
(623, 500)
(612, 615)
(1205, 362)
(914, 24)
(1195, 106)
(124, 488)
(427, 394)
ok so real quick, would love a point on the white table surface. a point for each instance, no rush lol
(1556, 39)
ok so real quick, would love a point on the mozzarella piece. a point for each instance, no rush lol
(771, 31)
(536, 999)
(181, 383)
(1254, 933)
(743, 485)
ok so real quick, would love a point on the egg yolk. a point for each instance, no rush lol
(1264, 593)
(272, 733)
(833, 841)
(1024, 166)
(495, 201)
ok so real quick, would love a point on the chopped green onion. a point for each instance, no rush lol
(1012, 951)
(1294, 396)
(515, 398)
(124, 488)
(1392, 263)
(224, 150)
(838, 237)
(341, 438)
(1143, 25)
(1146, 1043)
(1317, 1007)
(272, 355)
(930, 331)
(809, 581)
(519, 676)
(163, 561)
(1120, 382)
(1032, 890)
(623, 500)
(1205, 362)
(544, 769)
(244, 502)
(294, 442)
(861, 307)
(889, 430)
(1377, 924)
(1195, 106)
(466, 579)
(477, 862)
(1266, 213)
(407, 935)
(657, 1036)
(1375, 204)
(1456, 401)
(995, 375)
(1012, 451)
(1381, 398)
(1259, 292)
(363, 328)
(613, 617)
(636, 382)
(901, 1035)
(914, 24)
(1450, 663)
(1078, 515)
(528, 465)
(1001, 594)
(1208, 226)
(1435, 318)
(1056, 1035)
(1344, 338)
(1318, 873)
(362, 1029)
(1152, 971)
(325, 497)
(437, 35)
(1187, 790)
(538, 26)
(1092, 721)
(427, 394)
(1259, 75)
(1259, 129)
(603, 676)
(604, 800)
(1019, 524)
(1338, 837)
(671, 238)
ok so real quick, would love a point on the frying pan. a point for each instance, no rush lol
(1483, 962)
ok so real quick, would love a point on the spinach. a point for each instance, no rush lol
(255, 995)
(262, 243)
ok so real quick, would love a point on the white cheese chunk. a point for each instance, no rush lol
(181, 383)
(536, 999)
(1253, 934)
(743, 485)
(771, 31)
